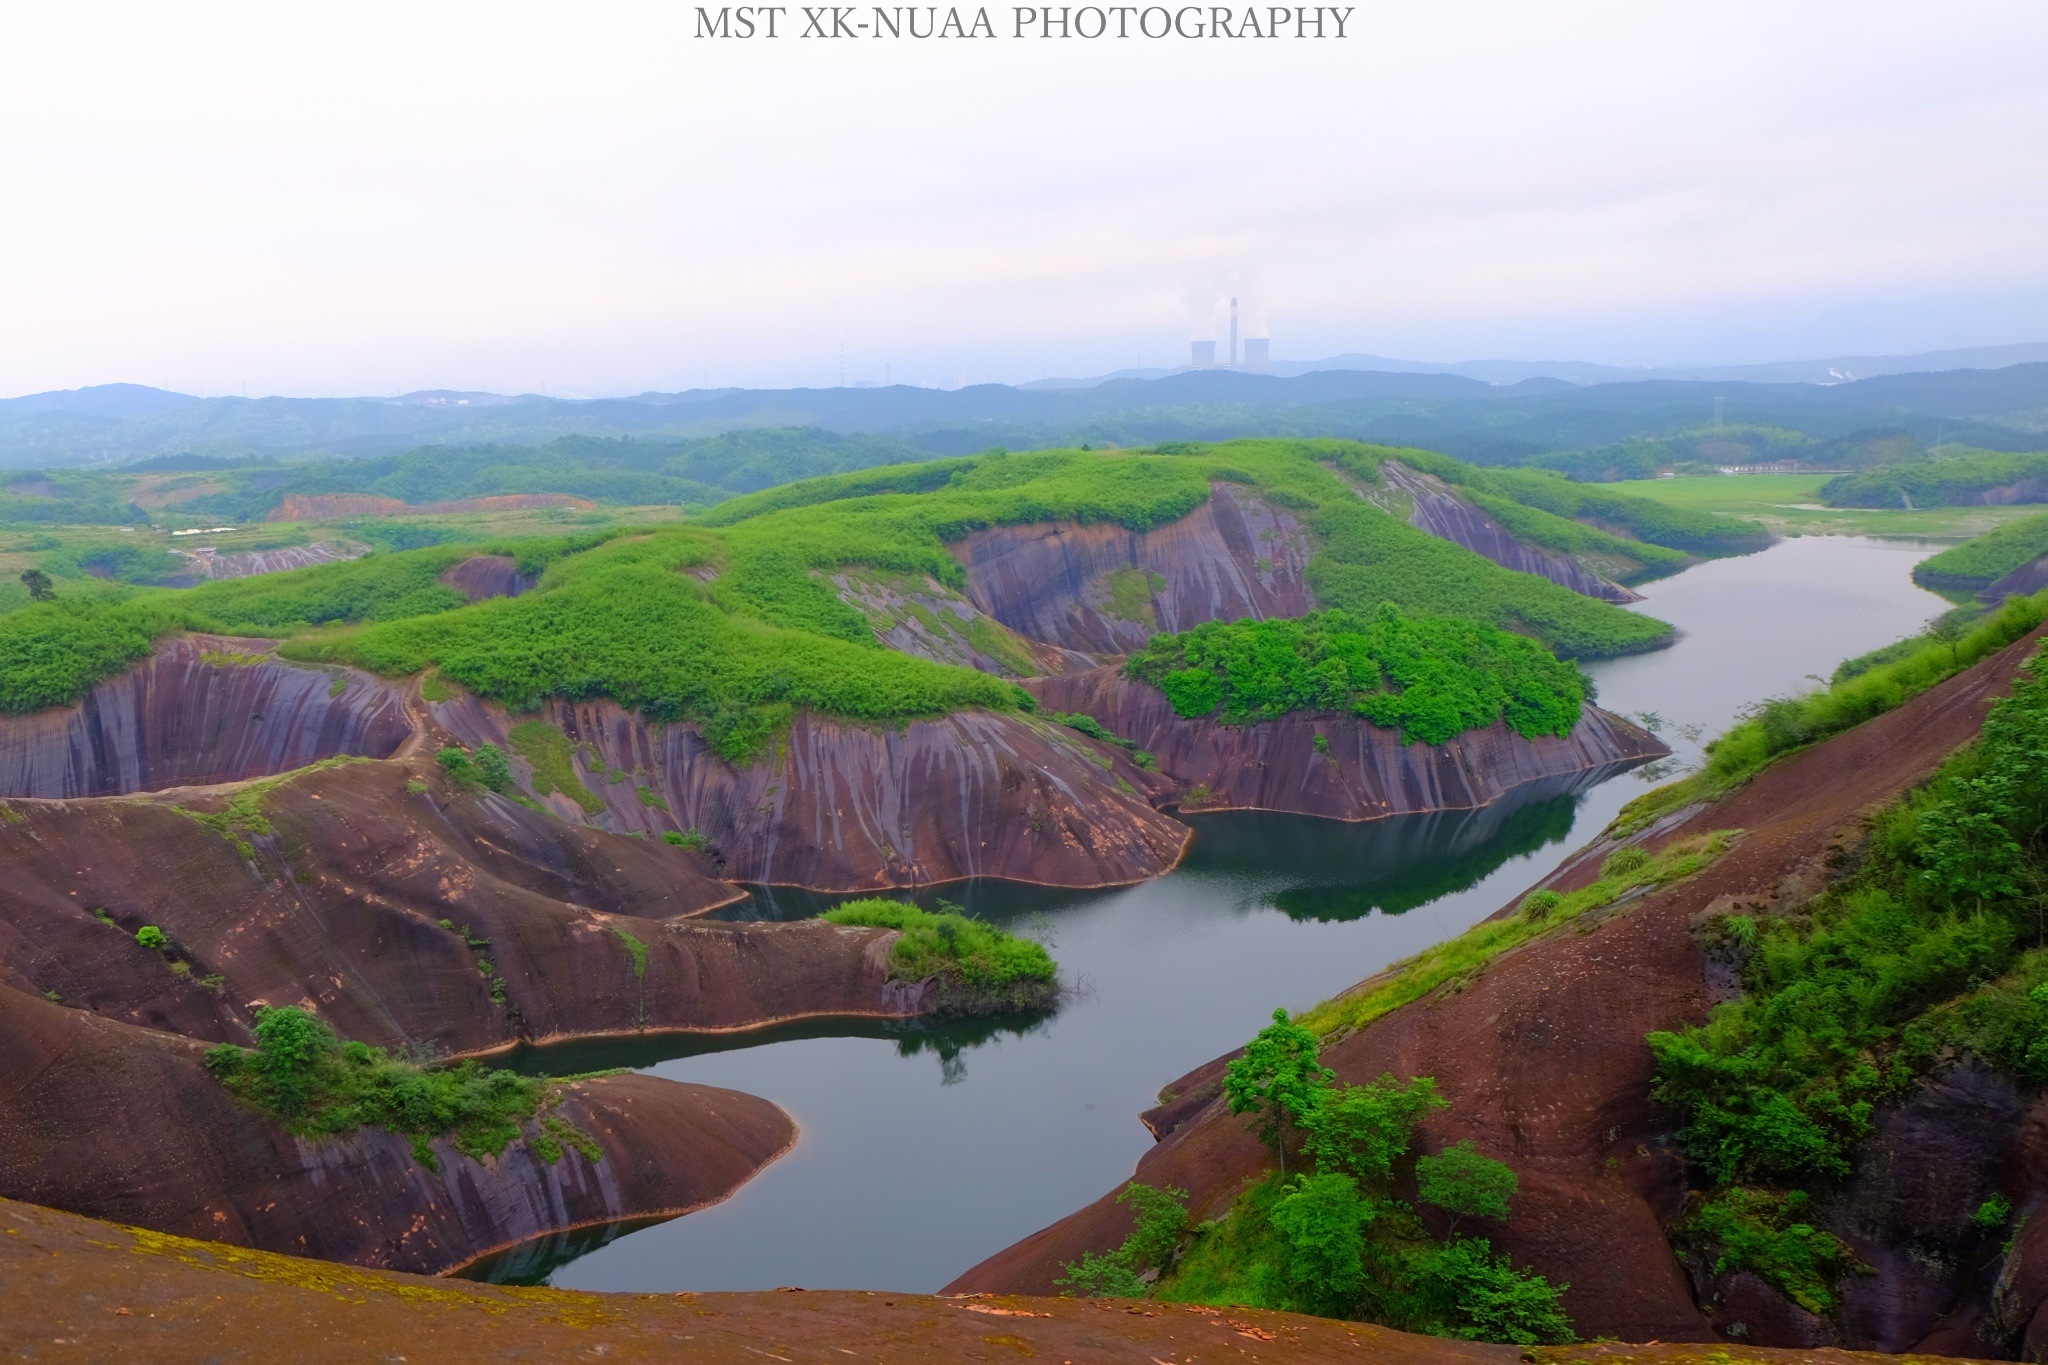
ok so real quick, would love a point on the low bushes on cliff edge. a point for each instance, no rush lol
(1337, 1239)
(1935, 950)
(300, 1074)
(1979, 563)
(977, 967)
(1432, 679)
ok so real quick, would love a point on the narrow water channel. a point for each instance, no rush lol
(924, 1150)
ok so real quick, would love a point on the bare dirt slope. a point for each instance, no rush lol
(1543, 1061)
(72, 1289)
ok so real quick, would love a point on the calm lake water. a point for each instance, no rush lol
(924, 1150)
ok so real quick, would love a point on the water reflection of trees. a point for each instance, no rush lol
(1459, 863)
(951, 1039)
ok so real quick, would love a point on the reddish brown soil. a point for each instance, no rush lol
(1232, 557)
(72, 1289)
(1367, 773)
(341, 910)
(201, 708)
(1543, 1060)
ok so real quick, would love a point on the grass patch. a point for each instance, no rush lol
(975, 966)
(1627, 870)
(1431, 679)
(243, 815)
(636, 949)
(554, 763)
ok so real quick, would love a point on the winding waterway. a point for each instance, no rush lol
(924, 1150)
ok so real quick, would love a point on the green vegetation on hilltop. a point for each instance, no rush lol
(300, 1074)
(1337, 1240)
(1432, 679)
(1955, 476)
(1933, 949)
(1979, 563)
(625, 621)
(1367, 556)
(738, 626)
(973, 963)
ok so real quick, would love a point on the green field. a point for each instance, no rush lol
(1790, 505)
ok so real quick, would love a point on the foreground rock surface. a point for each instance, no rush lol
(1543, 1061)
(75, 1289)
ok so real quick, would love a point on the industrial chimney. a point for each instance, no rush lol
(1203, 356)
(1258, 354)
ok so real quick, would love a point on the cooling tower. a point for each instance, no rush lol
(1203, 356)
(1258, 354)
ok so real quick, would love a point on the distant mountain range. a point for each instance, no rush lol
(1501, 412)
(1836, 370)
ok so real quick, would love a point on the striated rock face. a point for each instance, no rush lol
(841, 807)
(1367, 773)
(204, 564)
(1542, 1059)
(1103, 589)
(200, 709)
(1441, 512)
(340, 908)
(123, 1123)
(921, 616)
(484, 576)
(2028, 579)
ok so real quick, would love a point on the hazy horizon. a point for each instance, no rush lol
(514, 199)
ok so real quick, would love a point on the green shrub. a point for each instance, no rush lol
(149, 936)
(317, 1086)
(1766, 1233)
(978, 961)
(1537, 905)
(1465, 1183)
(1161, 1218)
(1432, 679)
(1337, 1241)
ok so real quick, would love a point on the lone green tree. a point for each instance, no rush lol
(1278, 1081)
(1365, 1129)
(1464, 1183)
(40, 588)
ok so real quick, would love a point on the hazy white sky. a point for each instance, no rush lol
(366, 198)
